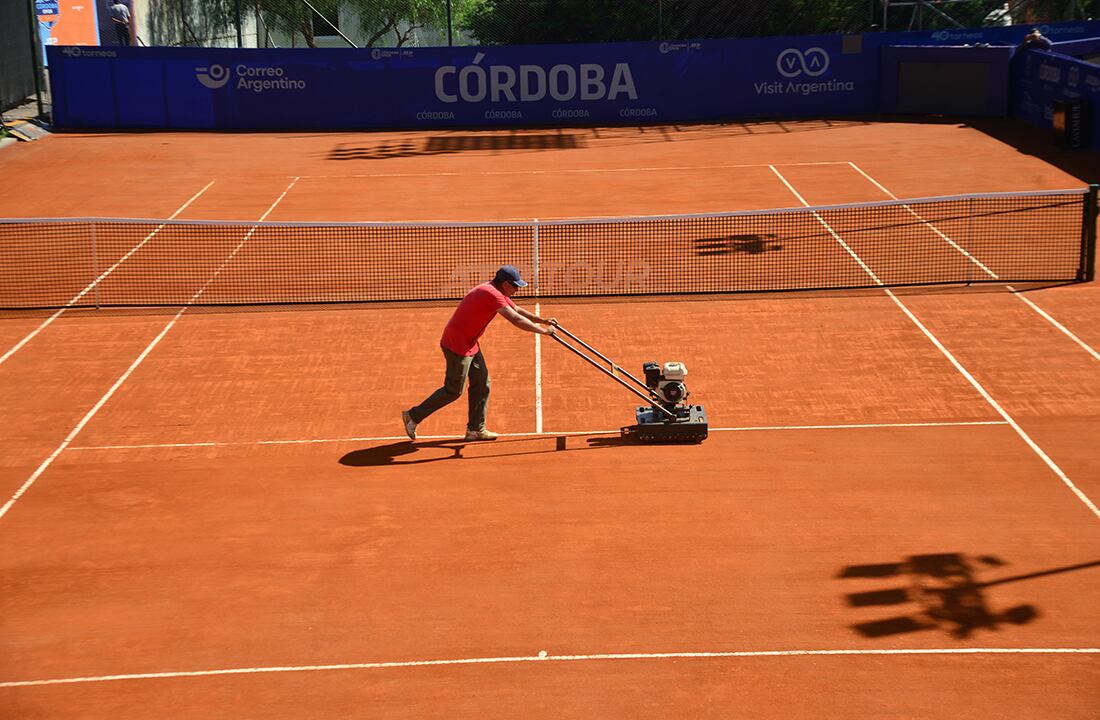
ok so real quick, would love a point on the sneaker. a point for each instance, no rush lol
(410, 426)
(482, 434)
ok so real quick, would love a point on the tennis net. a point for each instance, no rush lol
(1003, 237)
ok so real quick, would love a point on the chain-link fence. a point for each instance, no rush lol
(16, 55)
(424, 23)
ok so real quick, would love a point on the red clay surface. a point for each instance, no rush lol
(214, 547)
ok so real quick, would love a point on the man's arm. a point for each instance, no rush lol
(535, 318)
(526, 321)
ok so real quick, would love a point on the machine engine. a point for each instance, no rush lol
(667, 382)
(670, 418)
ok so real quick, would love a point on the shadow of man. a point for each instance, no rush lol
(405, 451)
(396, 453)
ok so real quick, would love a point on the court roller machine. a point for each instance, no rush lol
(667, 417)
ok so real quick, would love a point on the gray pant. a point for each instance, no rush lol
(459, 368)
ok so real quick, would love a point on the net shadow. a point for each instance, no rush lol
(452, 144)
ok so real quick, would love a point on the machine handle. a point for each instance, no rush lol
(607, 372)
(609, 361)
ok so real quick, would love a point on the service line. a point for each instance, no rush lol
(535, 435)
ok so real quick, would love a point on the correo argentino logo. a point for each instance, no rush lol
(213, 77)
(793, 62)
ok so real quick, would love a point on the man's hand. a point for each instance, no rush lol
(550, 330)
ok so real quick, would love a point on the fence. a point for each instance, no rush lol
(432, 23)
(16, 60)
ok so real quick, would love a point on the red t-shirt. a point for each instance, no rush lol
(471, 317)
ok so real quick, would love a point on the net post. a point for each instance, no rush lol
(536, 256)
(1087, 271)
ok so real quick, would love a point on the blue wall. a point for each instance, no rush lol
(1042, 78)
(996, 58)
(193, 88)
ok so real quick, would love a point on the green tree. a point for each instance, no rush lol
(293, 16)
(520, 21)
(377, 18)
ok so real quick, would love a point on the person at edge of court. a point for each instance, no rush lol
(463, 353)
(1035, 40)
(120, 18)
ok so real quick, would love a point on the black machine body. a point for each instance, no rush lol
(669, 419)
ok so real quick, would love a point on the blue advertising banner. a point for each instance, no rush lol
(1042, 80)
(1012, 35)
(612, 83)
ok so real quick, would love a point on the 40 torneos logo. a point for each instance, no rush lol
(213, 77)
(793, 62)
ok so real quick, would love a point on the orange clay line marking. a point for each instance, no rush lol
(1042, 313)
(958, 365)
(557, 659)
(573, 171)
(761, 428)
(133, 366)
(99, 279)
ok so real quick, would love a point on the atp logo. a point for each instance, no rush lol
(214, 77)
(793, 62)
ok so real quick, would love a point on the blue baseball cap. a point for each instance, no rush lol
(511, 274)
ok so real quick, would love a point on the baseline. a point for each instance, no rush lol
(564, 171)
(543, 656)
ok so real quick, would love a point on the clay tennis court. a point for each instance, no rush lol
(214, 512)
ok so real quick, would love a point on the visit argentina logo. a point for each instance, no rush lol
(802, 70)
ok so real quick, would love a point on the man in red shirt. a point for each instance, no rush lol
(463, 354)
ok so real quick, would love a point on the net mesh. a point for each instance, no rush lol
(1010, 237)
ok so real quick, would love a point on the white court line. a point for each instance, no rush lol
(129, 371)
(538, 376)
(1042, 313)
(567, 171)
(929, 225)
(535, 435)
(99, 279)
(601, 657)
(959, 366)
(1015, 292)
(828, 227)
